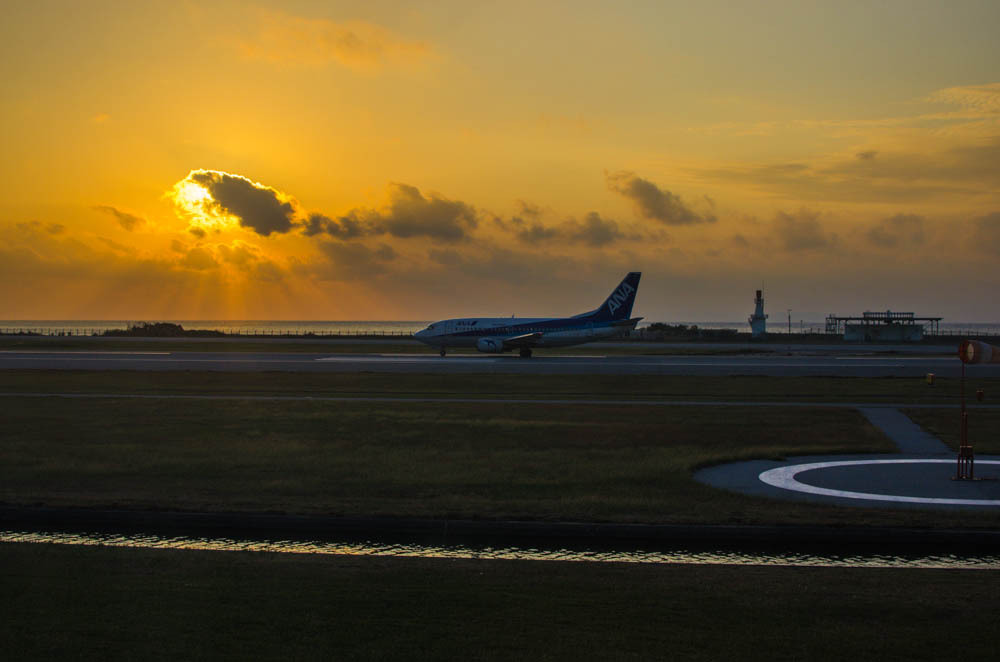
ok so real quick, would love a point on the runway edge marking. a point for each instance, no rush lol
(784, 478)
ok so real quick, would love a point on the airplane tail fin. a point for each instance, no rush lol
(618, 306)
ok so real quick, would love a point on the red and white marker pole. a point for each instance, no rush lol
(974, 351)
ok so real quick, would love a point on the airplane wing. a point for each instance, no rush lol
(525, 340)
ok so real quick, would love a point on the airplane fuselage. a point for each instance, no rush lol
(555, 331)
(501, 334)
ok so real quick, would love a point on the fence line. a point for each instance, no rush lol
(249, 332)
(238, 332)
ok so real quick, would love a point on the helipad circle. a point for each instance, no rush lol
(784, 477)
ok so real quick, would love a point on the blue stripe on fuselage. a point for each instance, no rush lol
(522, 328)
(483, 329)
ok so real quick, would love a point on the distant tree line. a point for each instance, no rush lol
(163, 330)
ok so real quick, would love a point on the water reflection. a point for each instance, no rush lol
(716, 557)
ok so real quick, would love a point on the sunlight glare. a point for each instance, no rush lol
(195, 203)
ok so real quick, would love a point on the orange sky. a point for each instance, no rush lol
(374, 160)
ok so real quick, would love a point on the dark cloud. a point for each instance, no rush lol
(593, 230)
(961, 168)
(199, 259)
(887, 177)
(901, 229)
(255, 206)
(126, 220)
(58, 264)
(266, 210)
(528, 209)
(197, 232)
(32, 227)
(345, 227)
(247, 258)
(801, 231)
(534, 232)
(70, 270)
(239, 254)
(410, 214)
(655, 203)
(867, 155)
(349, 261)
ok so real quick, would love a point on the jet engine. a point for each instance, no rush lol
(973, 351)
(490, 345)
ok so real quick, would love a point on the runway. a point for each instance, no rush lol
(771, 364)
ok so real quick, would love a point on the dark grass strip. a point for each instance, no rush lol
(94, 603)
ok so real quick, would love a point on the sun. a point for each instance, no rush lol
(195, 203)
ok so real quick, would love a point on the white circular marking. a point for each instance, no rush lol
(784, 477)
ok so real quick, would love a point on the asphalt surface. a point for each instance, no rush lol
(790, 364)
(920, 476)
(870, 481)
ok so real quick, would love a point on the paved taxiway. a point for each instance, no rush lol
(920, 476)
(770, 364)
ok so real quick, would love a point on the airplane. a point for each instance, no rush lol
(494, 335)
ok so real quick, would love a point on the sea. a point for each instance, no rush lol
(388, 327)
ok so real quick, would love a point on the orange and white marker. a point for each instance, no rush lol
(974, 351)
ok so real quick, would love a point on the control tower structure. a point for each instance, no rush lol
(758, 321)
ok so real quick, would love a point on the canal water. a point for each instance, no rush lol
(524, 553)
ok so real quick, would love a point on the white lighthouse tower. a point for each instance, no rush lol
(758, 321)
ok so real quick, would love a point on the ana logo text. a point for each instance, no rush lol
(616, 300)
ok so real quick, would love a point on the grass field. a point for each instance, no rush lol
(622, 463)
(86, 603)
(491, 460)
(611, 387)
(580, 462)
(945, 424)
(575, 461)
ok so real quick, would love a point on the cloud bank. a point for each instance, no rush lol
(212, 198)
(593, 230)
(652, 202)
(256, 206)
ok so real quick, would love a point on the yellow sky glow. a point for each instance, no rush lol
(366, 161)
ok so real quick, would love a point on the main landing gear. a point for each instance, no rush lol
(443, 352)
(525, 352)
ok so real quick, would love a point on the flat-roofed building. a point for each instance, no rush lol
(881, 327)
